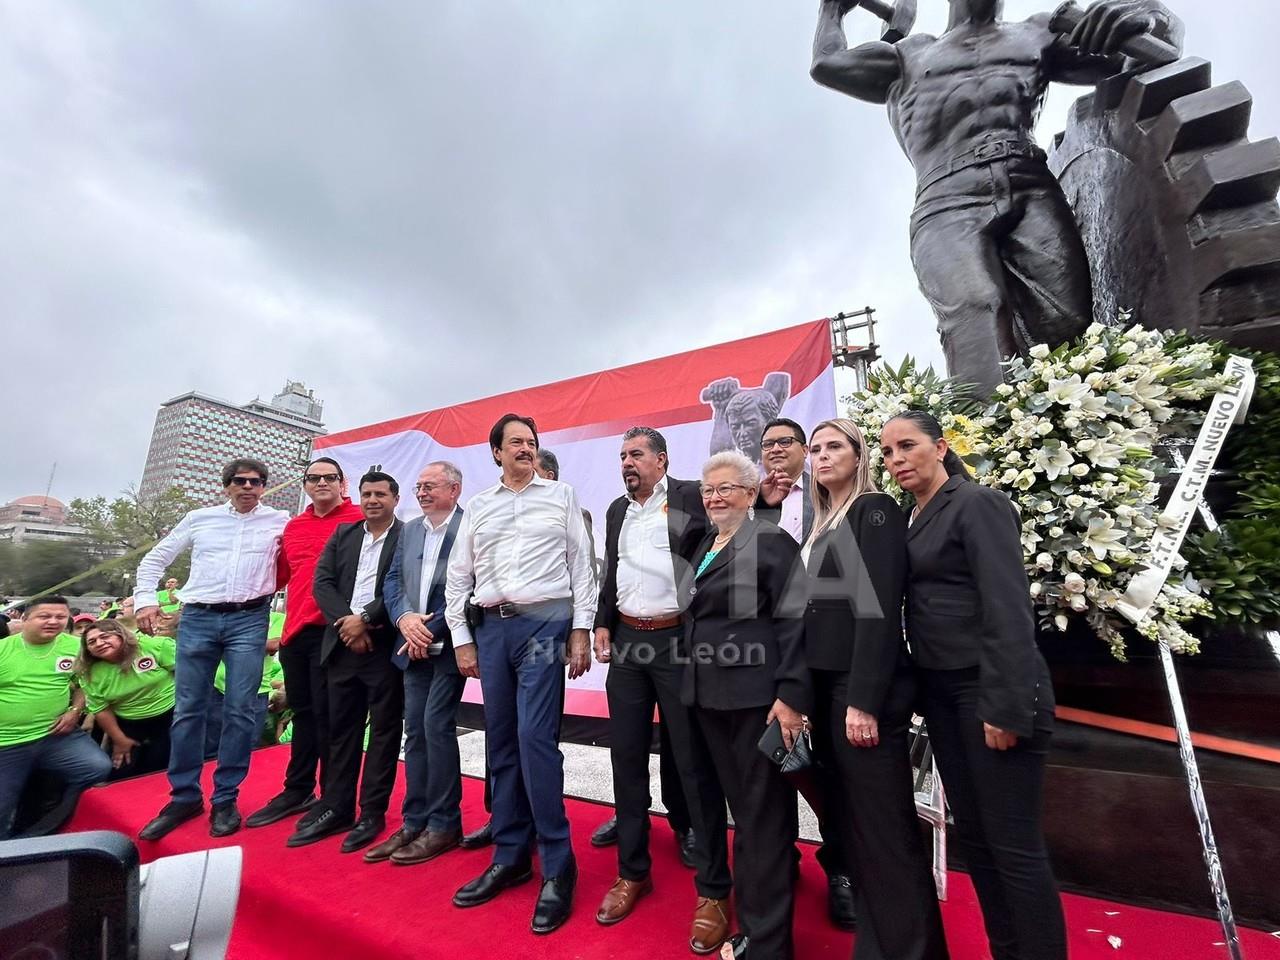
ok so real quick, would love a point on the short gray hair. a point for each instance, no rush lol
(748, 476)
(450, 471)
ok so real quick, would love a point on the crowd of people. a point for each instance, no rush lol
(785, 621)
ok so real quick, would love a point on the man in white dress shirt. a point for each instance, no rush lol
(522, 557)
(226, 612)
(785, 497)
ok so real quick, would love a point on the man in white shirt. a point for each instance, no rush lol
(361, 680)
(523, 558)
(226, 612)
(784, 496)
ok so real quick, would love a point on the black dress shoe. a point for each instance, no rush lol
(492, 882)
(170, 818)
(555, 901)
(841, 903)
(224, 819)
(326, 824)
(685, 844)
(366, 830)
(606, 835)
(283, 804)
(481, 838)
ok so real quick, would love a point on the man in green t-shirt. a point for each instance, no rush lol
(41, 709)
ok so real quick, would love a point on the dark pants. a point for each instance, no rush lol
(72, 757)
(432, 767)
(213, 721)
(898, 916)
(766, 825)
(488, 779)
(307, 693)
(999, 258)
(669, 784)
(521, 663)
(644, 671)
(996, 798)
(363, 686)
(821, 783)
(152, 752)
(205, 639)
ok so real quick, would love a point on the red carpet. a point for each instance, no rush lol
(314, 903)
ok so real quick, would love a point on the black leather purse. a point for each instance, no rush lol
(799, 757)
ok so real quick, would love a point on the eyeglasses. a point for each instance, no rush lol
(724, 490)
(321, 478)
(783, 442)
(246, 482)
(429, 487)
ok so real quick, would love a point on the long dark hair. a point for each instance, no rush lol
(931, 428)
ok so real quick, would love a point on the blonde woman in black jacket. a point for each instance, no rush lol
(856, 560)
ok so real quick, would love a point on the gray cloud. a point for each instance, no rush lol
(408, 205)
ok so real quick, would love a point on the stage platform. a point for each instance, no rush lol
(315, 903)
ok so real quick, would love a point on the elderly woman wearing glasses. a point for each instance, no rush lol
(745, 642)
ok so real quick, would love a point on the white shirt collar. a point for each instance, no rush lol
(426, 521)
(659, 487)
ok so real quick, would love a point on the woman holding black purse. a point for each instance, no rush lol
(985, 688)
(744, 634)
(864, 689)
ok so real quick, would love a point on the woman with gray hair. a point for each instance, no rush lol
(745, 641)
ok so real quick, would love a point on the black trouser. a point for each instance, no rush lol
(672, 789)
(995, 797)
(152, 752)
(306, 691)
(898, 916)
(644, 671)
(821, 784)
(766, 824)
(363, 685)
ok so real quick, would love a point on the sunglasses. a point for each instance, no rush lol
(246, 482)
(321, 478)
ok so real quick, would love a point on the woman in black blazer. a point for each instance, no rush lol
(746, 669)
(856, 559)
(985, 688)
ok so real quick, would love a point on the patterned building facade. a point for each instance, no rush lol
(195, 435)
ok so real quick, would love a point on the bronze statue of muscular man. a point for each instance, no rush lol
(993, 240)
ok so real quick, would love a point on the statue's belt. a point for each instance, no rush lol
(983, 153)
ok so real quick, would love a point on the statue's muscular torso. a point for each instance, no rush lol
(971, 85)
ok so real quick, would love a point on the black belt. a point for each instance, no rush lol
(253, 604)
(988, 152)
(506, 611)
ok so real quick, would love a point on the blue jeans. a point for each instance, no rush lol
(213, 722)
(521, 663)
(73, 756)
(205, 639)
(432, 768)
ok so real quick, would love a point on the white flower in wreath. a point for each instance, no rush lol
(1037, 588)
(1044, 561)
(1079, 604)
(1030, 539)
(1075, 558)
(1074, 501)
(1025, 481)
(1074, 583)
(1102, 536)
(1039, 351)
(1079, 469)
(1053, 460)
(1069, 391)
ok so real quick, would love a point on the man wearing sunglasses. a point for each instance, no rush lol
(304, 625)
(227, 604)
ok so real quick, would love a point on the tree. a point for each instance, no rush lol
(132, 523)
(27, 568)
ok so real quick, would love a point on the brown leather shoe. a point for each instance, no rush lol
(621, 899)
(384, 850)
(427, 847)
(710, 925)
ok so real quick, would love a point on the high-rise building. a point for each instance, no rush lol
(38, 518)
(196, 435)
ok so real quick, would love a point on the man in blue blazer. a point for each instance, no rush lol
(414, 593)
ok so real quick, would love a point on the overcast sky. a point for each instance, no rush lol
(410, 204)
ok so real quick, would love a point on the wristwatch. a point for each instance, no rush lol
(364, 616)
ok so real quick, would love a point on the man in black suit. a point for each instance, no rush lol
(414, 594)
(785, 498)
(650, 534)
(361, 679)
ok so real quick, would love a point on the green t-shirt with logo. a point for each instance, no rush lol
(35, 686)
(271, 670)
(142, 690)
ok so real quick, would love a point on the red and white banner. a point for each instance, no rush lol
(702, 401)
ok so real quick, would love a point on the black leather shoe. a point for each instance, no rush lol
(555, 901)
(491, 883)
(606, 835)
(841, 902)
(481, 838)
(326, 824)
(170, 818)
(283, 804)
(224, 819)
(685, 843)
(366, 830)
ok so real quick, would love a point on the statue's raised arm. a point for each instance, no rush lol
(866, 71)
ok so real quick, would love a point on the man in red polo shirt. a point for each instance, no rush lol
(304, 625)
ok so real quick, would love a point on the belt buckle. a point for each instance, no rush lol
(994, 150)
(644, 623)
(507, 610)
